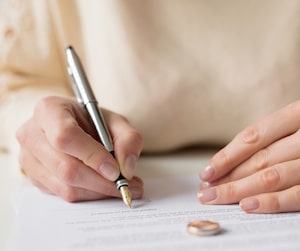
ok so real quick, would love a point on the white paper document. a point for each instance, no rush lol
(157, 222)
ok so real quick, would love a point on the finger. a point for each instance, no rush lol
(128, 144)
(69, 189)
(276, 178)
(280, 151)
(136, 187)
(73, 194)
(69, 170)
(277, 202)
(82, 180)
(33, 170)
(41, 186)
(252, 139)
(65, 134)
(48, 183)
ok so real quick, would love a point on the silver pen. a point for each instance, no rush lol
(85, 96)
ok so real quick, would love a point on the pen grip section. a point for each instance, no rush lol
(121, 180)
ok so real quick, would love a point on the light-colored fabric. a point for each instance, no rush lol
(182, 71)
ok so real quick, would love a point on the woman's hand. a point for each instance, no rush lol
(60, 154)
(260, 168)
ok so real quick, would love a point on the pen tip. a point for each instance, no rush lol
(126, 195)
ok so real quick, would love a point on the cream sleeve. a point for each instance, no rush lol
(31, 64)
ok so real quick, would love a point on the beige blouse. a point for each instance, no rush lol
(182, 71)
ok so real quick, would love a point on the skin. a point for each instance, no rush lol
(259, 168)
(60, 155)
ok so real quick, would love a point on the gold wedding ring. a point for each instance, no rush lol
(203, 228)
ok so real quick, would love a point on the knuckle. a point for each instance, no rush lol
(64, 134)
(223, 156)
(250, 135)
(261, 159)
(91, 158)
(43, 104)
(274, 203)
(231, 192)
(133, 135)
(67, 172)
(23, 134)
(270, 178)
(136, 138)
(224, 180)
(68, 194)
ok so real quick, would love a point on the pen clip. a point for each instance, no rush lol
(81, 84)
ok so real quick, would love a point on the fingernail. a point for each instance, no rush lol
(207, 173)
(207, 195)
(109, 171)
(204, 185)
(250, 204)
(130, 165)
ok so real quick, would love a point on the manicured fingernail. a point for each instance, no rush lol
(207, 195)
(207, 173)
(109, 171)
(250, 204)
(130, 164)
(204, 185)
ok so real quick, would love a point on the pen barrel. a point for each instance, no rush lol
(100, 125)
(85, 96)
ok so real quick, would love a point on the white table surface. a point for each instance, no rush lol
(177, 163)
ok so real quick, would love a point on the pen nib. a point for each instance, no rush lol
(126, 195)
